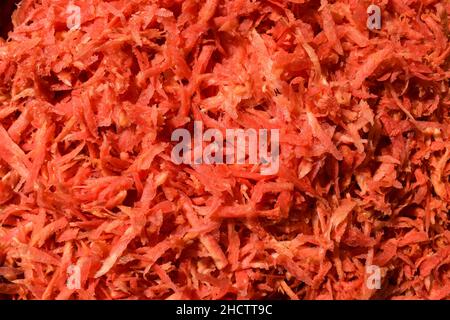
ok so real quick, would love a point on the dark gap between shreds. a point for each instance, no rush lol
(6, 9)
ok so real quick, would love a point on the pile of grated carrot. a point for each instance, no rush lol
(87, 182)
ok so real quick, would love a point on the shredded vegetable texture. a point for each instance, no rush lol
(87, 182)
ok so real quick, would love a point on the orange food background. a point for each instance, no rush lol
(86, 178)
